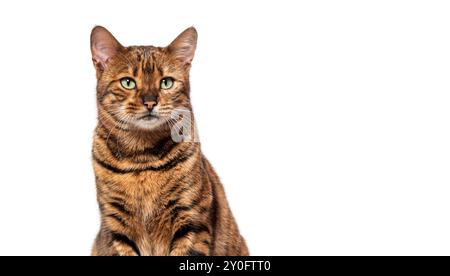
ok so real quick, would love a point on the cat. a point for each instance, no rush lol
(158, 195)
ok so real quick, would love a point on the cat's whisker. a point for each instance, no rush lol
(179, 125)
(117, 125)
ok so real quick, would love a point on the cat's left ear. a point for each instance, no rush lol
(183, 47)
(103, 46)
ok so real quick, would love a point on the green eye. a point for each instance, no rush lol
(166, 83)
(128, 83)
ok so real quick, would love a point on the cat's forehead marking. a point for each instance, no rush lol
(148, 60)
(151, 61)
(148, 66)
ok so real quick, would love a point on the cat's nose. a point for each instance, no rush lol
(150, 105)
(150, 102)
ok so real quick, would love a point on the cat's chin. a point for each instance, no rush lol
(148, 123)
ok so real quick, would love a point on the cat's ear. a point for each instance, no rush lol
(103, 46)
(183, 47)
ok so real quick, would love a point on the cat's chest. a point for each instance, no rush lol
(143, 193)
(145, 197)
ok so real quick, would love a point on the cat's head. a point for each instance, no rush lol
(141, 87)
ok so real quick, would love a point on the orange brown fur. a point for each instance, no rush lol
(156, 196)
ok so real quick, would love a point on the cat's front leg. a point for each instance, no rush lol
(191, 240)
(114, 244)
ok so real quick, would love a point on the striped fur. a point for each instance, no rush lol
(156, 196)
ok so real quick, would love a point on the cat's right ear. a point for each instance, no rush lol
(103, 46)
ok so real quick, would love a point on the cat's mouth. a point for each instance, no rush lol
(148, 117)
(147, 121)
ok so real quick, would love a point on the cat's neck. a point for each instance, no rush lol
(128, 142)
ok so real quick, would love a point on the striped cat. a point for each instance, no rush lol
(158, 195)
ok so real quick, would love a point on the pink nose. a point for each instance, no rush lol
(150, 105)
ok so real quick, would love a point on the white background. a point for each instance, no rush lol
(328, 121)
